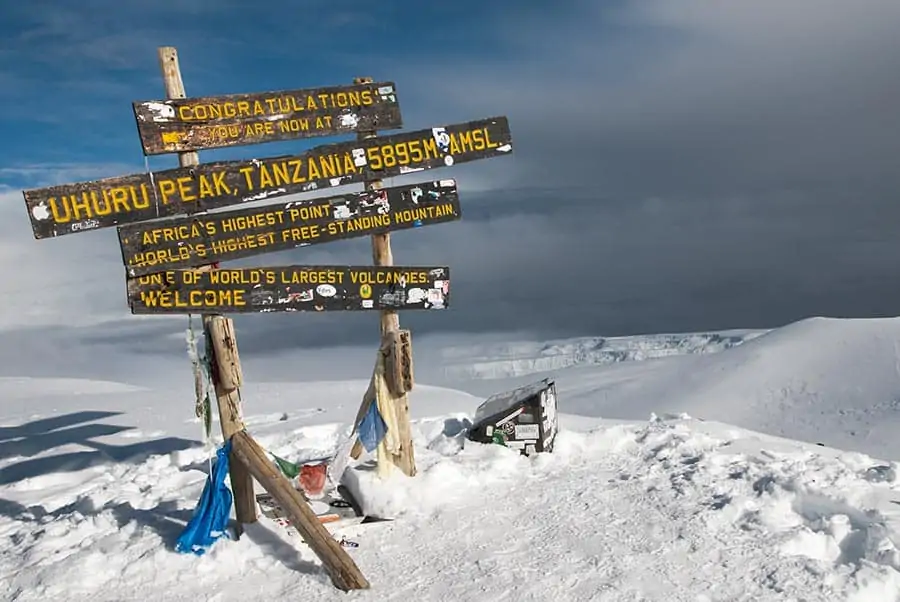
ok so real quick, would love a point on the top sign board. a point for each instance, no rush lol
(73, 208)
(190, 124)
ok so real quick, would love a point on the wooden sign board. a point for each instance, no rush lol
(190, 124)
(290, 288)
(197, 240)
(72, 208)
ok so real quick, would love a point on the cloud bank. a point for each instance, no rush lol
(678, 166)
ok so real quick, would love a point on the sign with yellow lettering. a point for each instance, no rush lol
(197, 240)
(290, 288)
(189, 124)
(71, 208)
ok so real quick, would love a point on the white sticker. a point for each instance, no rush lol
(326, 290)
(40, 211)
(349, 120)
(164, 112)
(441, 138)
(436, 298)
(383, 90)
(415, 295)
(489, 430)
(528, 431)
(447, 183)
(516, 444)
(368, 303)
(448, 160)
(359, 157)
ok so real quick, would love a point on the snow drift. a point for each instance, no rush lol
(637, 501)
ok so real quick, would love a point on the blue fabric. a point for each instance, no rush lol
(211, 514)
(372, 428)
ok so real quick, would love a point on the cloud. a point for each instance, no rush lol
(689, 97)
(71, 281)
(677, 166)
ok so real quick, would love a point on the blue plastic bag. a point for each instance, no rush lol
(211, 515)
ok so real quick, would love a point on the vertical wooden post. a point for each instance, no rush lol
(390, 322)
(220, 331)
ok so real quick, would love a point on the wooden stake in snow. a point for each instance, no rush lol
(340, 566)
(226, 371)
(403, 456)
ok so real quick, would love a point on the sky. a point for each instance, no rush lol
(678, 165)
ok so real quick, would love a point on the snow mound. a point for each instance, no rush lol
(671, 509)
(823, 380)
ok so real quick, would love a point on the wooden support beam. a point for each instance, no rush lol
(344, 573)
(404, 459)
(220, 332)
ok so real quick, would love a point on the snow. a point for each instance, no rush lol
(687, 467)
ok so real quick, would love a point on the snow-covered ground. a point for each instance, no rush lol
(637, 502)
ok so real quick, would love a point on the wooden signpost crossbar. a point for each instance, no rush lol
(179, 124)
(193, 240)
(171, 240)
(291, 288)
(73, 208)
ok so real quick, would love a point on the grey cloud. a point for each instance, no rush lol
(673, 170)
(714, 99)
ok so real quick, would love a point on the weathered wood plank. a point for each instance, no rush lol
(382, 254)
(186, 124)
(290, 288)
(71, 208)
(344, 573)
(219, 331)
(195, 240)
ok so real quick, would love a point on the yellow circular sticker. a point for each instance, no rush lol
(365, 291)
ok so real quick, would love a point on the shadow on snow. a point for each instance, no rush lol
(40, 436)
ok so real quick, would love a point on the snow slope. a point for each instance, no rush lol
(95, 487)
(507, 360)
(819, 380)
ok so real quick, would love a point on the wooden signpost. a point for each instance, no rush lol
(171, 246)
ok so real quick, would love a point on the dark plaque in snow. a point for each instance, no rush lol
(523, 418)
(189, 124)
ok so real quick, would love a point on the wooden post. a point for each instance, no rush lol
(219, 331)
(340, 566)
(390, 321)
(251, 458)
